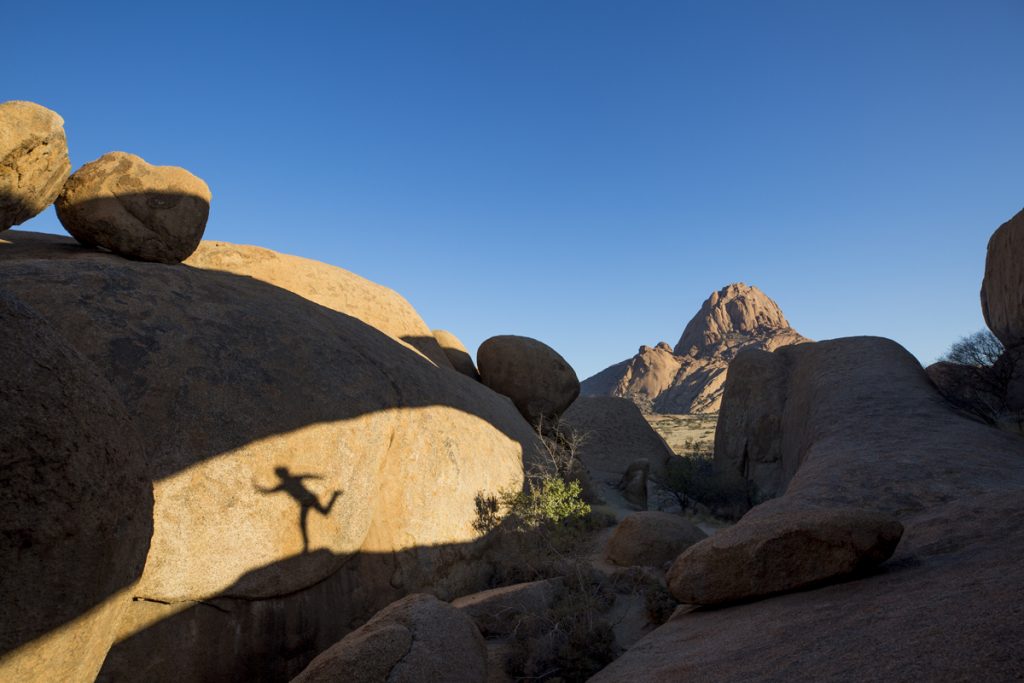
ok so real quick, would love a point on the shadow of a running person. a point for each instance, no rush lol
(293, 485)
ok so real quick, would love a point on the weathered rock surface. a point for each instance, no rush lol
(305, 465)
(456, 353)
(633, 483)
(540, 382)
(134, 209)
(498, 612)
(651, 539)
(33, 160)
(75, 505)
(615, 434)
(418, 638)
(690, 377)
(327, 285)
(775, 553)
(861, 426)
(1002, 291)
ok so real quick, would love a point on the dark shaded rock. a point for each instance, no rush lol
(540, 382)
(75, 505)
(418, 638)
(651, 539)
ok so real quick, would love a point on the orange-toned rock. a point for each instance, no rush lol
(134, 209)
(457, 354)
(33, 160)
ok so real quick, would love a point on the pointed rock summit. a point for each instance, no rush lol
(689, 377)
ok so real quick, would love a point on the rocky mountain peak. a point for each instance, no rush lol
(733, 314)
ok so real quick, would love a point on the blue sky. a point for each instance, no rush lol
(585, 173)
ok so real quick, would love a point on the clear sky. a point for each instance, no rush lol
(584, 172)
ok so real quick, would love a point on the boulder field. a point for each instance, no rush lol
(855, 424)
(307, 468)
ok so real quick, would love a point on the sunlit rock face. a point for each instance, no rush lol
(299, 456)
(33, 160)
(689, 377)
(329, 286)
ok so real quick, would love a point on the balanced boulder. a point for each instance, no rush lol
(457, 354)
(75, 505)
(139, 211)
(33, 160)
(782, 552)
(540, 382)
(651, 539)
(418, 638)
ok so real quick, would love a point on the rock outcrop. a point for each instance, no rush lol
(1002, 303)
(330, 286)
(75, 505)
(418, 638)
(651, 539)
(782, 552)
(614, 435)
(134, 209)
(1002, 290)
(33, 160)
(540, 382)
(857, 424)
(498, 612)
(306, 466)
(456, 353)
(689, 378)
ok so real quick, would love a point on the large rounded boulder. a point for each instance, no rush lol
(134, 209)
(307, 468)
(540, 382)
(330, 286)
(418, 638)
(33, 160)
(651, 539)
(781, 552)
(75, 505)
(1002, 290)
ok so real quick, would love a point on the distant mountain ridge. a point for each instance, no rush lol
(688, 378)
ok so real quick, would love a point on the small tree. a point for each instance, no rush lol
(979, 350)
(980, 377)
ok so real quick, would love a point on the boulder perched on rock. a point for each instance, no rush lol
(418, 638)
(308, 469)
(498, 611)
(330, 286)
(782, 552)
(861, 426)
(33, 160)
(457, 354)
(75, 505)
(540, 382)
(134, 209)
(650, 539)
(1002, 291)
